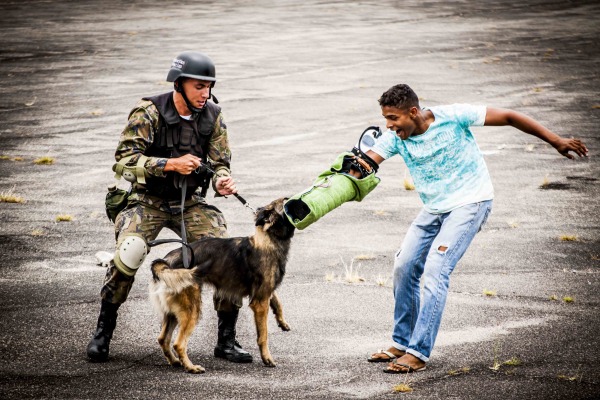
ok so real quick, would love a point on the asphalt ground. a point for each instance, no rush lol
(298, 82)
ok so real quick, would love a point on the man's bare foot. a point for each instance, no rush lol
(386, 355)
(405, 364)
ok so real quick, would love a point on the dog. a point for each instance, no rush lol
(237, 267)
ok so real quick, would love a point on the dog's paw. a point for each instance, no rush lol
(269, 363)
(284, 326)
(175, 364)
(195, 369)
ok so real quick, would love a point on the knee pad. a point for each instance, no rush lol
(130, 254)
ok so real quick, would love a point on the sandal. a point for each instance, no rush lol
(391, 356)
(407, 368)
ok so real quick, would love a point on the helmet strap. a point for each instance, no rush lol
(179, 89)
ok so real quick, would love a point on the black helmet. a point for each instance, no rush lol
(192, 64)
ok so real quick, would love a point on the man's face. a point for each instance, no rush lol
(400, 121)
(197, 91)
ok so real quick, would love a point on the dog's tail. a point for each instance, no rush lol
(173, 279)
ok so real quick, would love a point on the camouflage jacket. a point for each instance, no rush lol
(139, 134)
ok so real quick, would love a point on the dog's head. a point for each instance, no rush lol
(273, 221)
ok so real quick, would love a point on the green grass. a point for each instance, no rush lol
(460, 371)
(44, 161)
(569, 238)
(403, 388)
(568, 299)
(10, 197)
(64, 218)
(514, 362)
(362, 257)
(572, 378)
(351, 272)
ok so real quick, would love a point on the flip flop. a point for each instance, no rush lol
(409, 369)
(391, 356)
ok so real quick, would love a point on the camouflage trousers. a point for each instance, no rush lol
(145, 216)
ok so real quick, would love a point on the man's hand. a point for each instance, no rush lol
(225, 186)
(575, 145)
(184, 165)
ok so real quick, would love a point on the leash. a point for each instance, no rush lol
(184, 243)
(187, 261)
(237, 196)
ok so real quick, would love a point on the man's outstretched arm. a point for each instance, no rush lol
(501, 116)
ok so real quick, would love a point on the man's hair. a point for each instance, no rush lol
(400, 96)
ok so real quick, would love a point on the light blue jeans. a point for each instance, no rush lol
(431, 249)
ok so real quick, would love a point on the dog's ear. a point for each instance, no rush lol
(265, 217)
(262, 216)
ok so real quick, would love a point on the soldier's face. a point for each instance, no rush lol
(197, 91)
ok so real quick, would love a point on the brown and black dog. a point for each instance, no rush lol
(251, 266)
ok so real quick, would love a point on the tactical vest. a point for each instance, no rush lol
(176, 137)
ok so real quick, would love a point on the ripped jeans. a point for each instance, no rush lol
(431, 249)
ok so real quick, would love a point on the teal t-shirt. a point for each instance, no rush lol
(445, 162)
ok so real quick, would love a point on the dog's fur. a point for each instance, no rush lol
(237, 267)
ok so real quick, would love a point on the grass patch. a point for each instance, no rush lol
(514, 362)
(38, 232)
(18, 158)
(351, 273)
(381, 281)
(408, 182)
(572, 378)
(460, 371)
(362, 257)
(10, 197)
(330, 277)
(403, 388)
(513, 224)
(497, 364)
(63, 218)
(545, 183)
(4, 157)
(569, 238)
(44, 160)
(553, 297)
(489, 293)
(568, 299)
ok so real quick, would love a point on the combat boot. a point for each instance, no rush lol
(227, 346)
(97, 349)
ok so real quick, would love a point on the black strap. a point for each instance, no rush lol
(186, 259)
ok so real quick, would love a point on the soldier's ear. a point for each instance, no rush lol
(177, 85)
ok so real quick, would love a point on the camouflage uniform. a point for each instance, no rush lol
(147, 214)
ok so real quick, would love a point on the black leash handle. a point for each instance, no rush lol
(237, 196)
(244, 202)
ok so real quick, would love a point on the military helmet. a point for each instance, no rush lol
(192, 64)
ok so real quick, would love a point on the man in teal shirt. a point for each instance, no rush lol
(453, 182)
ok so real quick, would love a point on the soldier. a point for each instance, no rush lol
(164, 146)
